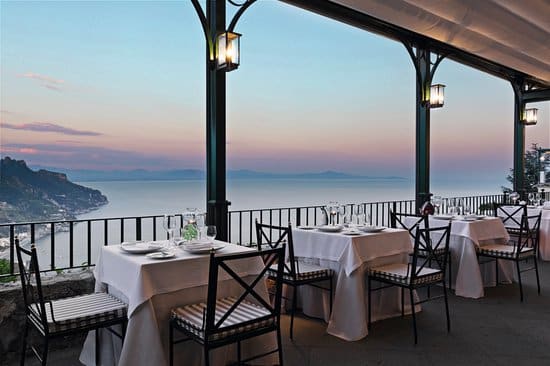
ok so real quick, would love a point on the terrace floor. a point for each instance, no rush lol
(495, 330)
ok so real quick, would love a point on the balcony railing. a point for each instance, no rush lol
(93, 233)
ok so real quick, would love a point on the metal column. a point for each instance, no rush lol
(217, 204)
(422, 128)
(519, 138)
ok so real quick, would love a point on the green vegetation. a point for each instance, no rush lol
(5, 269)
(532, 168)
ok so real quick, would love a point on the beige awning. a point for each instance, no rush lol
(512, 33)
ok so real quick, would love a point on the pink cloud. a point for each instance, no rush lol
(44, 80)
(49, 127)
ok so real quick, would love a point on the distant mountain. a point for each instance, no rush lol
(195, 174)
(27, 195)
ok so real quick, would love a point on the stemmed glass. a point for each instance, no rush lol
(332, 208)
(211, 233)
(437, 200)
(342, 214)
(359, 214)
(514, 196)
(170, 224)
(531, 198)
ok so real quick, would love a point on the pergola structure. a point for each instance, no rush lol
(505, 38)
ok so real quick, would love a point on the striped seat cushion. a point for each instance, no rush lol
(304, 271)
(505, 251)
(398, 273)
(190, 318)
(424, 253)
(79, 312)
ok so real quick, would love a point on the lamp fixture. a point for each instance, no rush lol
(228, 51)
(530, 117)
(437, 96)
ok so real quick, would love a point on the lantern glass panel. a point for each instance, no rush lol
(531, 116)
(228, 51)
(437, 97)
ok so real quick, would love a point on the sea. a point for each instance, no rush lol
(142, 198)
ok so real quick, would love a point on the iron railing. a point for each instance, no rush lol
(241, 226)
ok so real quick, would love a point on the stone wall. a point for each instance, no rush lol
(12, 312)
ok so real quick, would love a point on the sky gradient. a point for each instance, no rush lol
(121, 85)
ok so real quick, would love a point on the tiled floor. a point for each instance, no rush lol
(495, 330)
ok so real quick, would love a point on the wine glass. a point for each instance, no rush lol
(332, 208)
(437, 200)
(342, 213)
(514, 196)
(531, 198)
(466, 210)
(359, 212)
(170, 224)
(211, 233)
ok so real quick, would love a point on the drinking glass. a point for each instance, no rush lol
(466, 210)
(342, 213)
(332, 208)
(211, 233)
(170, 224)
(514, 196)
(359, 212)
(437, 200)
(460, 206)
(531, 198)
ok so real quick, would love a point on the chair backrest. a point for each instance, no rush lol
(427, 247)
(271, 236)
(409, 222)
(529, 233)
(29, 272)
(511, 216)
(215, 317)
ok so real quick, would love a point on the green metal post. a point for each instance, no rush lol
(217, 204)
(422, 127)
(519, 139)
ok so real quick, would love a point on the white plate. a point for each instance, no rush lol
(444, 217)
(330, 228)
(160, 255)
(306, 227)
(139, 247)
(372, 229)
(351, 232)
(202, 248)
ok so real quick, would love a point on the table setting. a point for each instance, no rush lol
(153, 277)
(350, 248)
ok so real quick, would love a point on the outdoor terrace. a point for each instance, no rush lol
(495, 330)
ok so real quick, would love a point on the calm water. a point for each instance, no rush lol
(140, 198)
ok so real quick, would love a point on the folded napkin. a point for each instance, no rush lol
(546, 205)
(199, 245)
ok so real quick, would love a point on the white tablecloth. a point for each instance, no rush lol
(151, 288)
(350, 258)
(544, 244)
(468, 276)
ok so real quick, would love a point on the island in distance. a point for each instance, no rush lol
(27, 195)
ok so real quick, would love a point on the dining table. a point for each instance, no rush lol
(151, 288)
(469, 277)
(350, 256)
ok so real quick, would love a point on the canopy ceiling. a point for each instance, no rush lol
(512, 36)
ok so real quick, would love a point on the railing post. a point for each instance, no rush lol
(298, 217)
(138, 228)
(12, 249)
(52, 246)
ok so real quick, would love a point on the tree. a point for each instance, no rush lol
(532, 169)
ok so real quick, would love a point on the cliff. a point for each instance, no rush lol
(27, 195)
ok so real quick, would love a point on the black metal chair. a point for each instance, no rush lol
(523, 248)
(64, 316)
(223, 321)
(416, 274)
(511, 216)
(296, 274)
(398, 221)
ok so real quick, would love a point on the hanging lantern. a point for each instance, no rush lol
(530, 116)
(437, 95)
(228, 51)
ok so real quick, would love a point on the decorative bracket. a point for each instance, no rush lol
(206, 29)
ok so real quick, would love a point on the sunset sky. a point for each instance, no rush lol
(121, 85)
